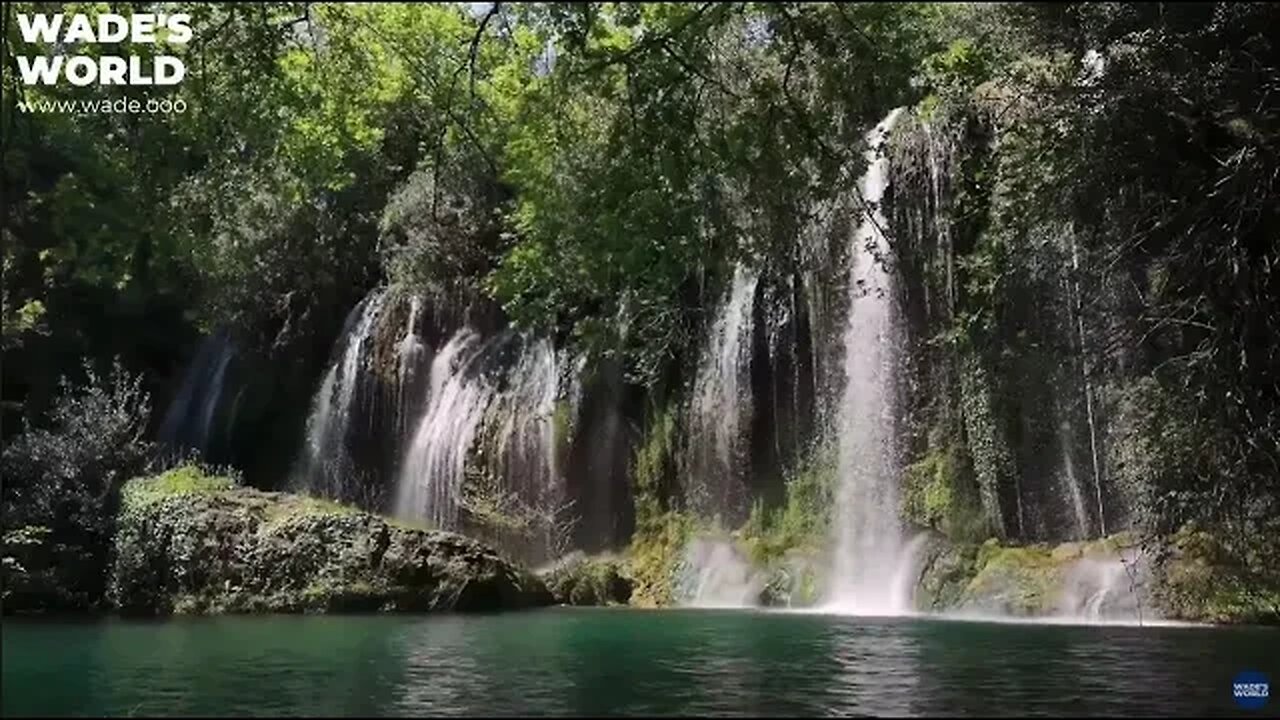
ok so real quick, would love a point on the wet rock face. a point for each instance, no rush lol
(228, 549)
(1096, 580)
(578, 579)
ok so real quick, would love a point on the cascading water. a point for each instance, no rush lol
(189, 420)
(325, 453)
(483, 458)
(434, 467)
(722, 402)
(525, 414)
(1099, 590)
(869, 553)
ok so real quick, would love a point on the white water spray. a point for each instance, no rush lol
(525, 414)
(715, 575)
(1102, 589)
(1074, 491)
(410, 353)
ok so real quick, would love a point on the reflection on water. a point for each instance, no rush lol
(621, 662)
(859, 651)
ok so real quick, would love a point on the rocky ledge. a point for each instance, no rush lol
(190, 543)
(578, 579)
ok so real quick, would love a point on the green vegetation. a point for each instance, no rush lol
(60, 490)
(655, 552)
(938, 492)
(1206, 581)
(187, 479)
(802, 523)
(661, 531)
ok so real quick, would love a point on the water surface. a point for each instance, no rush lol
(623, 661)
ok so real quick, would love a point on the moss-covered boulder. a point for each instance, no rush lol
(578, 579)
(189, 543)
(1013, 580)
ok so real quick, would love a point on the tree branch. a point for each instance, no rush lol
(475, 42)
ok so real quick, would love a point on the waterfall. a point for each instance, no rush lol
(432, 475)
(483, 458)
(722, 402)
(869, 553)
(188, 422)
(326, 457)
(1087, 384)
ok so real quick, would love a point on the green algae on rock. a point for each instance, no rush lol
(190, 543)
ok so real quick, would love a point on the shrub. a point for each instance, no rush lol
(64, 480)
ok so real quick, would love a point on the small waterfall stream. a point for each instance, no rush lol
(483, 455)
(1072, 482)
(326, 458)
(721, 405)
(410, 354)
(189, 419)
(869, 552)
(525, 426)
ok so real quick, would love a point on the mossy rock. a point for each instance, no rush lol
(946, 571)
(1200, 582)
(1013, 580)
(654, 559)
(577, 579)
(940, 493)
(797, 581)
(193, 544)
